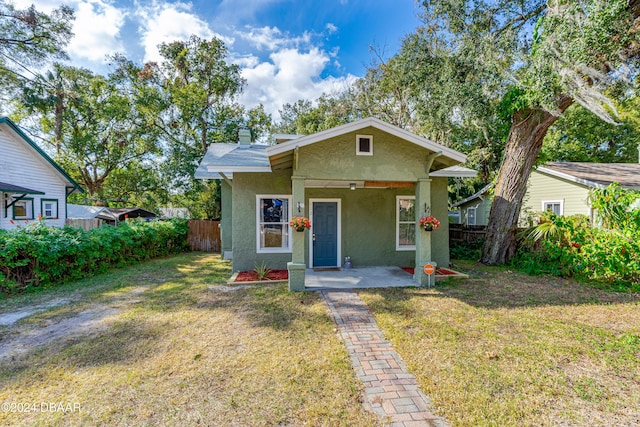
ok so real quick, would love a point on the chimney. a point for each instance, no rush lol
(244, 137)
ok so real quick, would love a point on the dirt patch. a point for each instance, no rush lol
(7, 319)
(19, 339)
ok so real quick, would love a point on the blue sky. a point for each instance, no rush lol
(287, 49)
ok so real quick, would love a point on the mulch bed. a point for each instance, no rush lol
(439, 271)
(252, 276)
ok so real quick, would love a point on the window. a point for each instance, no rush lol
(405, 223)
(273, 214)
(555, 206)
(364, 145)
(49, 208)
(471, 216)
(23, 209)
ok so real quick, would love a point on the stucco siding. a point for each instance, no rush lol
(542, 187)
(245, 188)
(368, 225)
(226, 220)
(439, 209)
(21, 165)
(368, 222)
(393, 159)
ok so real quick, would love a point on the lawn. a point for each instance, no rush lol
(505, 349)
(166, 343)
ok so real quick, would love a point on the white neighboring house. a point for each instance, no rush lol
(31, 183)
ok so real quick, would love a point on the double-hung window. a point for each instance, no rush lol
(49, 208)
(273, 230)
(405, 223)
(555, 206)
(471, 215)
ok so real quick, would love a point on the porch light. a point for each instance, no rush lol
(352, 186)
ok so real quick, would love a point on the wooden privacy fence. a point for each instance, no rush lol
(204, 235)
(85, 224)
(466, 233)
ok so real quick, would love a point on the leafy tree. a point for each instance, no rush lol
(581, 136)
(96, 128)
(304, 118)
(28, 38)
(537, 58)
(189, 98)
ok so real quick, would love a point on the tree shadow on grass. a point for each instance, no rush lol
(122, 343)
(270, 306)
(509, 289)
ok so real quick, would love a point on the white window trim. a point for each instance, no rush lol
(398, 246)
(55, 204)
(560, 202)
(364, 153)
(339, 213)
(260, 250)
(475, 216)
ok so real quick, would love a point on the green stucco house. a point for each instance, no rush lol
(363, 185)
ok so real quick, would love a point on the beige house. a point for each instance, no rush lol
(562, 187)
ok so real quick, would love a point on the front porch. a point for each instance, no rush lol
(353, 278)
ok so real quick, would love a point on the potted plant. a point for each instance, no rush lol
(429, 223)
(300, 223)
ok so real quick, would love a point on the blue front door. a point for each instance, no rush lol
(325, 234)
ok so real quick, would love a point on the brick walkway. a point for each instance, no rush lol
(391, 391)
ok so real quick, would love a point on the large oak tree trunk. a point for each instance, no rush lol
(524, 143)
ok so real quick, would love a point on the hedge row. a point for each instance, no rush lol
(37, 255)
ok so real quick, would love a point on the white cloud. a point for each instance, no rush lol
(271, 38)
(289, 76)
(96, 27)
(332, 28)
(167, 22)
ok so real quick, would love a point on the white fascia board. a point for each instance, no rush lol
(226, 169)
(568, 177)
(361, 124)
(455, 172)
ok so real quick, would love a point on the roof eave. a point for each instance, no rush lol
(569, 177)
(33, 145)
(360, 124)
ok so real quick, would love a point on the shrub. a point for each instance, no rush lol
(36, 255)
(571, 247)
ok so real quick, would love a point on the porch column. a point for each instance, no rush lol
(423, 238)
(297, 265)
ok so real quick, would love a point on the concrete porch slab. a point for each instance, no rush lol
(363, 277)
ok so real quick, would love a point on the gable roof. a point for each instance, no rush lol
(477, 195)
(228, 158)
(65, 177)
(87, 212)
(596, 175)
(361, 124)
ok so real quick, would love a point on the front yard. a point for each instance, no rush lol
(505, 349)
(167, 343)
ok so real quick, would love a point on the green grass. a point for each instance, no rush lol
(506, 349)
(177, 347)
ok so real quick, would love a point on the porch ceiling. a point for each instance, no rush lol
(282, 161)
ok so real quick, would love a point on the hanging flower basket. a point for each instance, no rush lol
(300, 223)
(429, 223)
